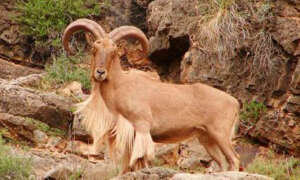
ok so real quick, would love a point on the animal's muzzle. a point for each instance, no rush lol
(100, 74)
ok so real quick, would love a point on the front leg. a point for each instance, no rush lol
(139, 115)
(143, 147)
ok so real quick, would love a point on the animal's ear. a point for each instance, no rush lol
(130, 31)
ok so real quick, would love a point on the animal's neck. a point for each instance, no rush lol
(115, 70)
(108, 86)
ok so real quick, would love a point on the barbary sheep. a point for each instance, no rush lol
(134, 110)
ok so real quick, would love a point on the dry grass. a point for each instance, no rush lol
(222, 33)
(227, 26)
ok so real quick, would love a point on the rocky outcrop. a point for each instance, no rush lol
(47, 107)
(47, 164)
(262, 65)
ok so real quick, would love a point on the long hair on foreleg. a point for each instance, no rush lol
(143, 147)
(102, 124)
(96, 118)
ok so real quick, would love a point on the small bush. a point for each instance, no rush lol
(252, 112)
(44, 20)
(66, 69)
(280, 169)
(12, 167)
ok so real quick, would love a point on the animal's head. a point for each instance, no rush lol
(104, 52)
(104, 46)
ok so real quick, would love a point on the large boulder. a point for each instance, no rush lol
(47, 107)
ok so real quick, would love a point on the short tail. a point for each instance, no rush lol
(235, 125)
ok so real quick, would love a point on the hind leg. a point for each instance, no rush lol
(212, 149)
(226, 147)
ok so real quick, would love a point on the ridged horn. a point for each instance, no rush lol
(130, 31)
(81, 24)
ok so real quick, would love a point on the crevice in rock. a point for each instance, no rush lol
(168, 61)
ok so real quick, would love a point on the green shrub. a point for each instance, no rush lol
(45, 20)
(252, 112)
(66, 69)
(12, 167)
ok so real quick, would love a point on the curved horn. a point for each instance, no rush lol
(81, 24)
(130, 31)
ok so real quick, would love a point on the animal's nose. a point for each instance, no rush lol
(100, 72)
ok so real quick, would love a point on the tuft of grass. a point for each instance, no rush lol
(66, 69)
(11, 166)
(45, 127)
(56, 132)
(279, 169)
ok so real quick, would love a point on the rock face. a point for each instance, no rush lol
(164, 173)
(10, 70)
(126, 12)
(262, 65)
